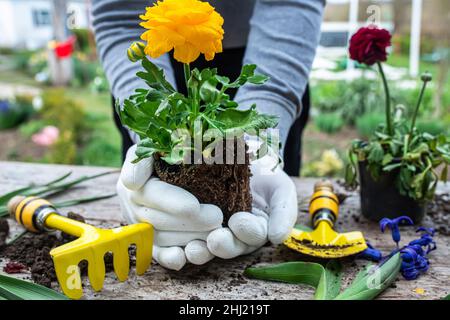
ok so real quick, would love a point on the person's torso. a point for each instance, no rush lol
(237, 14)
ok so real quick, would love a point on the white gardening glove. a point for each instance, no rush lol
(274, 212)
(181, 223)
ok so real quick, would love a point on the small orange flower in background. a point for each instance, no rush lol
(190, 27)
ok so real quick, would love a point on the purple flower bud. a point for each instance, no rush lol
(370, 253)
(393, 224)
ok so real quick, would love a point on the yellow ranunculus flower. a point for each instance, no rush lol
(190, 27)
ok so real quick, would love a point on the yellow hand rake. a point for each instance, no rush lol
(39, 215)
(324, 241)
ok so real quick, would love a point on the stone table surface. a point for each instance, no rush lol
(222, 279)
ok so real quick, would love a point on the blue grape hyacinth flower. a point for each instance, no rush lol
(414, 255)
(370, 253)
(393, 225)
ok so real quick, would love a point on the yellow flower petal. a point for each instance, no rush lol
(161, 40)
(186, 53)
(191, 27)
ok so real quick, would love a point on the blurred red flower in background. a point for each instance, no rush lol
(65, 49)
(368, 45)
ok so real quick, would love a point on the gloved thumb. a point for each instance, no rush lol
(135, 175)
(283, 210)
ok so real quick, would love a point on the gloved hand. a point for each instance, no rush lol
(185, 222)
(274, 212)
(179, 220)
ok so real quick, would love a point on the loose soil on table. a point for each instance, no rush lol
(4, 231)
(33, 251)
(225, 185)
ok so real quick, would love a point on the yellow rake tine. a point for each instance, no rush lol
(121, 262)
(96, 271)
(144, 247)
(68, 275)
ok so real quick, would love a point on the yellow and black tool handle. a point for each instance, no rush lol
(31, 212)
(324, 204)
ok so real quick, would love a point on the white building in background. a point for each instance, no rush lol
(27, 24)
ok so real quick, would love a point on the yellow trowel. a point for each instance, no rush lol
(39, 215)
(324, 241)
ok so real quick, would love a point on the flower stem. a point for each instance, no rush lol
(416, 111)
(388, 99)
(187, 74)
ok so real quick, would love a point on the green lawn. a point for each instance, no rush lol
(104, 145)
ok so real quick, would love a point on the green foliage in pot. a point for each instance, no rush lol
(411, 153)
(397, 145)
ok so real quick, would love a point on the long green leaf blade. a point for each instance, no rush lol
(326, 281)
(30, 189)
(16, 289)
(373, 280)
(49, 189)
(63, 177)
(291, 272)
(74, 202)
(6, 197)
(57, 188)
(330, 282)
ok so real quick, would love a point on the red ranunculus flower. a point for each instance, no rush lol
(368, 45)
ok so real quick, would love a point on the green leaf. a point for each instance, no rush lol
(175, 157)
(376, 153)
(248, 75)
(330, 282)
(392, 166)
(223, 80)
(155, 77)
(291, 272)
(209, 92)
(245, 120)
(387, 159)
(447, 297)
(162, 106)
(247, 71)
(373, 280)
(24, 191)
(444, 173)
(207, 74)
(75, 202)
(16, 289)
(145, 149)
(258, 79)
(302, 227)
(48, 189)
(327, 281)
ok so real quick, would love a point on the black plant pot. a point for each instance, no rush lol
(381, 199)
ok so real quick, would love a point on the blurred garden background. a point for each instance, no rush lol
(55, 105)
